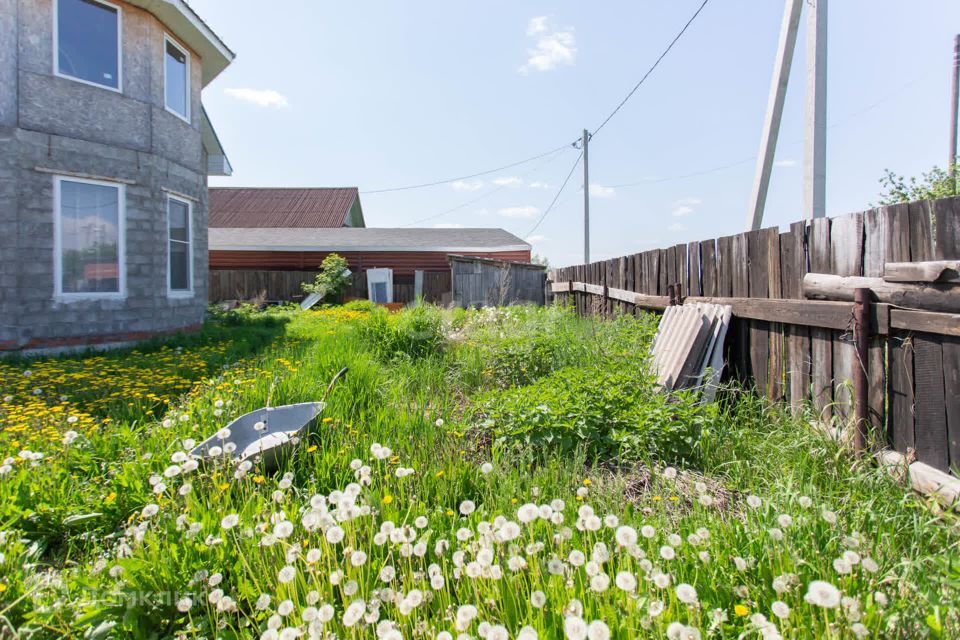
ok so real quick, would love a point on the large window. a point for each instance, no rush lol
(88, 223)
(180, 255)
(176, 78)
(87, 35)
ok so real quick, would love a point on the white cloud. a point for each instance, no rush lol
(554, 47)
(785, 163)
(466, 185)
(508, 181)
(536, 238)
(685, 206)
(600, 191)
(677, 226)
(259, 97)
(538, 185)
(447, 225)
(519, 212)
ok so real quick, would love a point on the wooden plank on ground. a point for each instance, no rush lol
(821, 340)
(951, 383)
(930, 411)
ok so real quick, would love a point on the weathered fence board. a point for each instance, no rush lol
(804, 353)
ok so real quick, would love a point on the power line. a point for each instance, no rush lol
(467, 177)
(556, 197)
(481, 196)
(651, 69)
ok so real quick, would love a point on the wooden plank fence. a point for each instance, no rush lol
(284, 286)
(802, 352)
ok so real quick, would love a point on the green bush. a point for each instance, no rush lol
(360, 305)
(609, 412)
(413, 333)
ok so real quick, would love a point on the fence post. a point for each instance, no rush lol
(861, 335)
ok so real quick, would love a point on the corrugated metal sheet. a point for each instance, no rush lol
(689, 340)
(402, 262)
(280, 208)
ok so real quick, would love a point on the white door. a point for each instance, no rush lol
(380, 285)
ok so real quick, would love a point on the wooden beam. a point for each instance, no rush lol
(933, 271)
(947, 324)
(928, 297)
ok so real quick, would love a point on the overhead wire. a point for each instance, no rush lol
(556, 197)
(466, 177)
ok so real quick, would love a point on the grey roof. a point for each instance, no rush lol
(364, 239)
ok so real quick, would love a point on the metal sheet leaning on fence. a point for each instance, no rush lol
(688, 347)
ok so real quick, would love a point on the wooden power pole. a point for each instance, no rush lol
(771, 125)
(955, 81)
(815, 156)
(586, 198)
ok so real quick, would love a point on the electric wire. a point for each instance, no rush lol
(466, 177)
(556, 197)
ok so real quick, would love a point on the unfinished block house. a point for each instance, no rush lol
(105, 150)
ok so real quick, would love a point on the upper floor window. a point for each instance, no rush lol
(179, 247)
(89, 238)
(176, 79)
(87, 37)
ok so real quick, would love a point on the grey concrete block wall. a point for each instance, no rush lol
(58, 126)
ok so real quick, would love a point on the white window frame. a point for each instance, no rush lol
(56, 48)
(70, 296)
(187, 83)
(180, 293)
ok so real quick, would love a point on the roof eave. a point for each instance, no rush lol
(217, 162)
(182, 21)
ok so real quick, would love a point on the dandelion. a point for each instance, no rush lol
(287, 574)
(626, 581)
(262, 603)
(334, 535)
(486, 468)
(754, 502)
(828, 516)
(184, 604)
(575, 628)
(70, 436)
(741, 610)
(467, 507)
(822, 594)
(538, 599)
(647, 531)
(285, 608)
(598, 630)
(655, 608)
(626, 536)
(686, 594)
(780, 609)
(667, 552)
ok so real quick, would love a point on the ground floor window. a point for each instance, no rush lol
(89, 238)
(180, 244)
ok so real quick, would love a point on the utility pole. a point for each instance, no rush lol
(955, 79)
(815, 161)
(586, 198)
(771, 125)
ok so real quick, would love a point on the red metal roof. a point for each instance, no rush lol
(247, 207)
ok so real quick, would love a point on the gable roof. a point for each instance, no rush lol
(250, 207)
(366, 239)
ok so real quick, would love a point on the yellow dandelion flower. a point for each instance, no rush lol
(587, 482)
(439, 474)
(328, 419)
(311, 448)
(741, 610)
(387, 499)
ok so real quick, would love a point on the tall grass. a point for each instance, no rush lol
(101, 537)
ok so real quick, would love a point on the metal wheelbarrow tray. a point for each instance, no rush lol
(264, 435)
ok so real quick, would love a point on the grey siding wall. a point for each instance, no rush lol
(56, 125)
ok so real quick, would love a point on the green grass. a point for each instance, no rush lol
(494, 409)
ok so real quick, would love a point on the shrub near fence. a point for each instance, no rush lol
(803, 351)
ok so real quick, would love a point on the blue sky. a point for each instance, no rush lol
(378, 94)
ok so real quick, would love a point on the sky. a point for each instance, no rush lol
(380, 94)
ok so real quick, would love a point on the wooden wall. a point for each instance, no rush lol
(914, 377)
(478, 282)
(284, 286)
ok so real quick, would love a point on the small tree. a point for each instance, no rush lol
(332, 280)
(932, 185)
